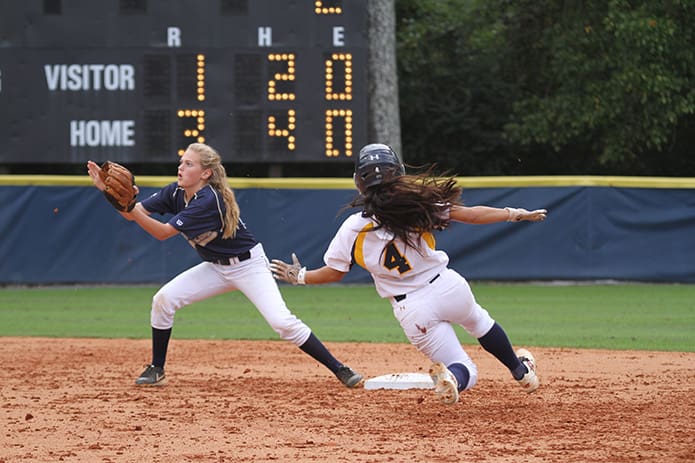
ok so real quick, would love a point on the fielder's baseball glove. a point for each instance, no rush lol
(119, 185)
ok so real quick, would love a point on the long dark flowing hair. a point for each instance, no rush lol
(410, 205)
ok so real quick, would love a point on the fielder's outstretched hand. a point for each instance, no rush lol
(291, 273)
(517, 215)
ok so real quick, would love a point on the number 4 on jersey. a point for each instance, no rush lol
(393, 259)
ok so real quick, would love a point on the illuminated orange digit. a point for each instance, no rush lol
(334, 137)
(274, 129)
(282, 79)
(330, 76)
(196, 133)
(325, 7)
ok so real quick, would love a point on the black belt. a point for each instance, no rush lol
(234, 259)
(400, 297)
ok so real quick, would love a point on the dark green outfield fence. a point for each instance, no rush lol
(57, 229)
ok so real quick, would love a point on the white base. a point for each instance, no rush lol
(400, 381)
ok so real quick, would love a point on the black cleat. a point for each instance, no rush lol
(348, 377)
(152, 376)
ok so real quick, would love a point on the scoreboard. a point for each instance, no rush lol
(275, 81)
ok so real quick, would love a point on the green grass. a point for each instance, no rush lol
(642, 317)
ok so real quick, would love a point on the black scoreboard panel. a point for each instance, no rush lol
(276, 81)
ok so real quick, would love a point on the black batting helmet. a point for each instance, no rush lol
(375, 164)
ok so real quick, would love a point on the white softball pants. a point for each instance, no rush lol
(252, 277)
(426, 316)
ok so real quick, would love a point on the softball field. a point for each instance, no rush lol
(74, 400)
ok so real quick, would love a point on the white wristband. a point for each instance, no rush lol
(513, 214)
(300, 276)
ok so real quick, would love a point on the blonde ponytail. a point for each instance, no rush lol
(210, 159)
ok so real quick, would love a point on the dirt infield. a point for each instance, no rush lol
(74, 400)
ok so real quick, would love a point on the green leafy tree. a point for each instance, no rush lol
(453, 105)
(548, 87)
(617, 80)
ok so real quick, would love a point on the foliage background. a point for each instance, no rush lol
(545, 87)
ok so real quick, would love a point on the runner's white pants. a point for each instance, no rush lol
(427, 314)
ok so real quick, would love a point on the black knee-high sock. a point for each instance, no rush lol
(160, 344)
(315, 348)
(461, 373)
(497, 343)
